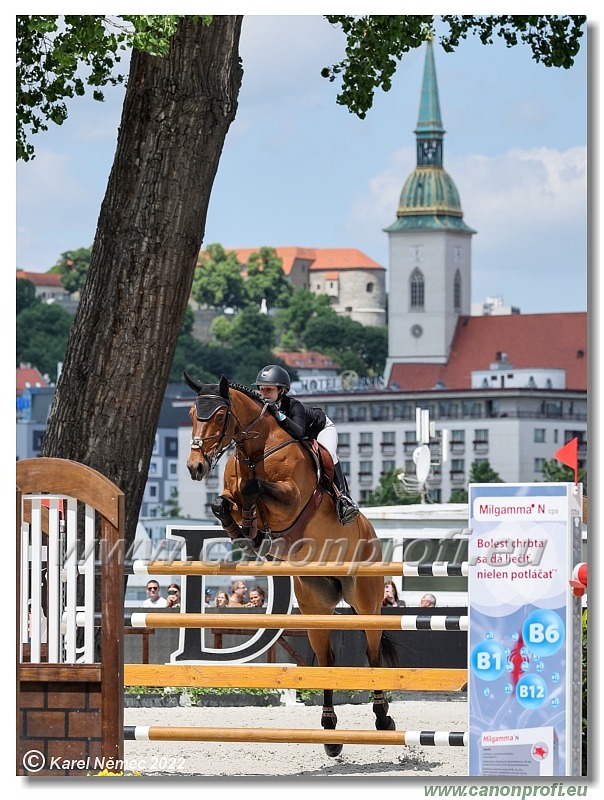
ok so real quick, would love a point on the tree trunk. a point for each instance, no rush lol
(177, 111)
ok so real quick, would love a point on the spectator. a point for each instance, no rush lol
(154, 600)
(173, 596)
(257, 597)
(391, 595)
(208, 596)
(238, 593)
(221, 600)
(428, 601)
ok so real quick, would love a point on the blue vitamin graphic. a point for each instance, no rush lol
(488, 660)
(543, 632)
(531, 691)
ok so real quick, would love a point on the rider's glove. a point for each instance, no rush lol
(275, 411)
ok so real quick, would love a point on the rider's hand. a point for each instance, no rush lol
(274, 410)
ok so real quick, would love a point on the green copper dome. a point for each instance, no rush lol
(429, 190)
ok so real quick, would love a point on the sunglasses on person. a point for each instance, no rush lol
(152, 588)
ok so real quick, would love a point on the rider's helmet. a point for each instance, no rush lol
(273, 375)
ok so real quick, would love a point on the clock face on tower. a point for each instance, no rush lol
(416, 331)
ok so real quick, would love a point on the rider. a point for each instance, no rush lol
(302, 421)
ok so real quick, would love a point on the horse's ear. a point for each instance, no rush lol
(195, 385)
(223, 387)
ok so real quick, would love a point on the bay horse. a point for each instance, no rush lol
(273, 500)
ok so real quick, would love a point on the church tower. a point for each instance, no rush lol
(430, 248)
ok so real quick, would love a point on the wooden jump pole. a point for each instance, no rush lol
(338, 622)
(285, 568)
(260, 676)
(160, 733)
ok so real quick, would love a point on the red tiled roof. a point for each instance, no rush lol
(28, 375)
(41, 278)
(320, 258)
(310, 360)
(547, 341)
(288, 255)
(342, 258)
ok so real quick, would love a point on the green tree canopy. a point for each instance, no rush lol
(266, 280)
(389, 492)
(291, 319)
(375, 45)
(555, 472)
(480, 472)
(72, 266)
(362, 349)
(26, 294)
(42, 332)
(218, 281)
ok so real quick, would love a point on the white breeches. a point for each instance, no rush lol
(328, 437)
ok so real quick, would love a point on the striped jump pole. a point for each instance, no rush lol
(159, 733)
(435, 569)
(338, 622)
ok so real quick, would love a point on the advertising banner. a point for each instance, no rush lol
(522, 618)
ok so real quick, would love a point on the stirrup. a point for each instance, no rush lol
(347, 510)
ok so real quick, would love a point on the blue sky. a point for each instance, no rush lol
(297, 169)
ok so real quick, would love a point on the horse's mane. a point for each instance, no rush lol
(251, 393)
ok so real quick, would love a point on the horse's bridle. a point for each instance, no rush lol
(204, 412)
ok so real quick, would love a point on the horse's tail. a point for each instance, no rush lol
(389, 651)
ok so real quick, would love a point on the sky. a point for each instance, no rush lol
(298, 169)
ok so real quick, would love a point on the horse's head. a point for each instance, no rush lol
(213, 425)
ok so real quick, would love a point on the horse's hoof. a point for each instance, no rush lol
(387, 724)
(333, 750)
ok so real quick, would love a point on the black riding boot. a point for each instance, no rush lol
(345, 506)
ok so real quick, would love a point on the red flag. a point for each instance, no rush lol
(568, 455)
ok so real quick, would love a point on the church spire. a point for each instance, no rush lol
(429, 132)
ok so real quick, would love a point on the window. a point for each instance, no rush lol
(156, 445)
(388, 441)
(458, 437)
(539, 435)
(172, 469)
(457, 291)
(380, 411)
(369, 288)
(357, 413)
(481, 436)
(417, 290)
(538, 465)
(387, 466)
(366, 437)
(335, 412)
(152, 491)
(344, 439)
(410, 437)
(458, 467)
(170, 446)
(37, 440)
(366, 468)
(346, 468)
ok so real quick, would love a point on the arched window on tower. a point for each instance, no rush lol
(457, 291)
(417, 290)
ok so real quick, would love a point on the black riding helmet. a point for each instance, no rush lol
(273, 375)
